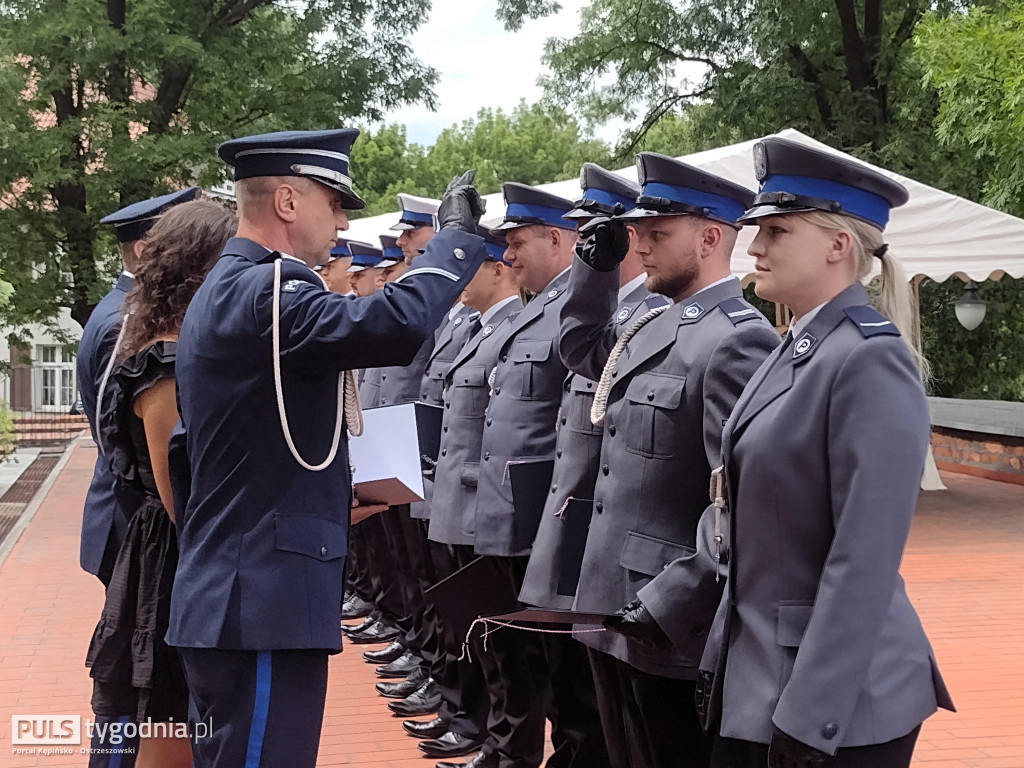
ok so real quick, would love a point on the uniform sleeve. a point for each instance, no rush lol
(324, 331)
(878, 431)
(586, 336)
(729, 368)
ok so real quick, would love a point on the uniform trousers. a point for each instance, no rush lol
(257, 709)
(397, 570)
(112, 749)
(358, 578)
(418, 575)
(576, 730)
(386, 593)
(735, 753)
(649, 721)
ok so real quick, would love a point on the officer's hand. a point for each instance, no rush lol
(362, 511)
(635, 621)
(603, 243)
(461, 206)
(786, 752)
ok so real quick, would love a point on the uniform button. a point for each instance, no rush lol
(650, 395)
(444, 429)
(447, 405)
(614, 374)
(605, 469)
(323, 551)
(599, 507)
(487, 456)
(562, 421)
(444, 452)
(558, 453)
(611, 430)
(504, 358)
(384, 377)
(527, 355)
(830, 730)
(459, 254)
(497, 390)
(489, 422)
(590, 384)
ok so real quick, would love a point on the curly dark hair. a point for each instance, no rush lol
(178, 253)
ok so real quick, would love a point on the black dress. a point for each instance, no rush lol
(134, 671)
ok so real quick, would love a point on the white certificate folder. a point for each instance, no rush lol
(386, 457)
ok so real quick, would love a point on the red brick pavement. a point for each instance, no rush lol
(964, 569)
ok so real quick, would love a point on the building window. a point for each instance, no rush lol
(55, 374)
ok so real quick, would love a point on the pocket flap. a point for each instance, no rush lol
(657, 389)
(580, 384)
(526, 351)
(646, 554)
(470, 376)
(470, 473)
(311, 536)
(793, 620)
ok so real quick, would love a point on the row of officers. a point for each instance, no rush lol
(763, 622)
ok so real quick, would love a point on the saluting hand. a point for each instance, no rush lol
(604, 242)
(635, 621)
(461, 207)
(787, 752)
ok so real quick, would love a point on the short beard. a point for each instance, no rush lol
(675, 286)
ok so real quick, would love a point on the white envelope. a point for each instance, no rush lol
(386, 457)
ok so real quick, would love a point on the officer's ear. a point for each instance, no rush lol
(840, 246)
(285, 199)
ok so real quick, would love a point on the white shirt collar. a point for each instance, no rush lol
(632, 285)
(797, 326)
(491, 311)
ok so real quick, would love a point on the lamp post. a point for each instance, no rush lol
(970, 307)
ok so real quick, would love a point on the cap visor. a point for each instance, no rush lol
(581, 213)
(760, 211)
(355, 268)
(349, 199)
(400, 227)
(644, 213)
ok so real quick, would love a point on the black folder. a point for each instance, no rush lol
(575, 527)
(428, 430)
(531, 483)
(479, 589)
(551, 616)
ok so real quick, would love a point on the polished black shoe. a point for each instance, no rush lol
(355, 608)
(450, 744)
(480, 761)
(426, 729)
(400, 667)
(425, 700)
(378, 632)
(410, 685)
(349, 629)
(385, 655)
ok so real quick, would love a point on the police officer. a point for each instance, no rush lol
(665, 390)
(415, 225)
(103, 523)
(335, 272)
(494, 294)
(257, 596)
(820, 658)
(364, 268)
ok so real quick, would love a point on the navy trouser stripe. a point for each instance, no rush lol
(261, 706)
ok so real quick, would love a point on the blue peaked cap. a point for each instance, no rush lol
(133, 221)
(494, 243)
(602, 191)
(391, 251)
(319, 155)
(526, 206)
(796, 178)
(364, 256)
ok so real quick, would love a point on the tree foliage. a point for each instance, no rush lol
(104, 104)
(976, 61)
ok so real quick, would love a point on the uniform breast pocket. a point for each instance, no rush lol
(529, 358)
(469, 392)
(580, 402)
(650, 413)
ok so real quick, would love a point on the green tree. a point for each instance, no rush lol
(106, 103)
(976, 61)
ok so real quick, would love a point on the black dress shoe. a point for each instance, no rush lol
(480, 761)
(429, 729)
(365, 624)
(400, 667)
(356, 608)
(385, 655)
(450, 744)
(378, 632)
(424, 701)
(410, 685)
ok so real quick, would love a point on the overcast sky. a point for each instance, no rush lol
(481, 65)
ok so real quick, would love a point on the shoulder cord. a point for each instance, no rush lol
(348, 395)
(604, 386)
(106, 377)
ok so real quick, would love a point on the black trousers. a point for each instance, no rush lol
(576, 730)
(649, 721)
(260, 709)
(358, 577)
(394, 537)
(417, 575)
(387, 594)
(735, 753)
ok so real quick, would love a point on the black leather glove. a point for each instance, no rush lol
(461, 207)
(635, 621)
(787, 752)
(603, 243)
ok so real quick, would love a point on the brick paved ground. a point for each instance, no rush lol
(964, 569)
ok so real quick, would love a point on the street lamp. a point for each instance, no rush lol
(970, 307)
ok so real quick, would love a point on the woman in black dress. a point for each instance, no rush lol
(134, 672)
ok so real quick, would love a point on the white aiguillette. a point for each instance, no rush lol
(386, 457)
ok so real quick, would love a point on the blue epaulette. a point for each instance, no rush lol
(738, 311)
(870, 322)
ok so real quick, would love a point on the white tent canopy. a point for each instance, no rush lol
(935, 234)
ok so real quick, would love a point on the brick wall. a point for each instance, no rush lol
(997, 457)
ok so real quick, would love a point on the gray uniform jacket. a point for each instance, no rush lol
(521, 415)
(577, 454)
(369, 388)
(466, 393)
(824, 455)
(448, 340)
(671, 394)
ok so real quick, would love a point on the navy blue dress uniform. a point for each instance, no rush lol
(256, 602)
(103, 522)
(670, 390)
(823, 457)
